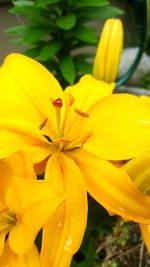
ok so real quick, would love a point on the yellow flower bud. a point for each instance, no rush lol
(109, 51)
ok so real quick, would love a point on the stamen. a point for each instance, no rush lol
(4, 210)
(7, 220)
(58, 103)
(74, 144)
(10, 217)
(61, 140)
(68, 109)
(43, 124)
(71, 99)
(78, 142)
(81, 113)
(85, 138)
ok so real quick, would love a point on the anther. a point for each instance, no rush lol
(71, 99)
(58, 103)
(81, 113)
(43, 124)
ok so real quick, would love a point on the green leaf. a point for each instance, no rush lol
(17, 30)
(23, 3)
(32, 52)
(29, 34)
(49, 50)
(35, 33)
(67, 68)
(16, 41)
(90, 2)
(98, 13)
(111, 11)
(83, 66)
(66, 22)
(47, 2)
(25, 7)
(86, 34)
(39, 20)
(106, 12)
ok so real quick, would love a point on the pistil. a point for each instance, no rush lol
(58, 105)
(69, 102)
(78, 142)
(43, 124)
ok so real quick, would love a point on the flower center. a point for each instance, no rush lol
(61, 141)
(7, 221)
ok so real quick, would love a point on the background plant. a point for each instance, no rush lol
(59, 33)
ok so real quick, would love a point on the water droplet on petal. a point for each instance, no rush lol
(68, 244)
(59, 224)
(122, 209)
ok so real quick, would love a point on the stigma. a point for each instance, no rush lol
(57, 103)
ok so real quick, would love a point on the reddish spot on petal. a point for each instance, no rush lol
(58, 103)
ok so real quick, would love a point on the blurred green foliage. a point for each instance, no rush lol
(145, 82)
(59, 33)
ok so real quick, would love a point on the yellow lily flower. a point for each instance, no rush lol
(107, 59)
(139, 170)
(26, 204)
(73, 135)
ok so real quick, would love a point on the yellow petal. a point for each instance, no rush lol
(112, 187)
(21, 165)
(2, 243)
(18, 134)
(84, 94)
(6, 175)
(145, 99)
(145, 229)
(10, 259)
(139, 171)
(99, 66)
(33, 201)
(41, 166)
(120, 125)
(109, 51)
(26, 87)
(88, 91)
(62, 236)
